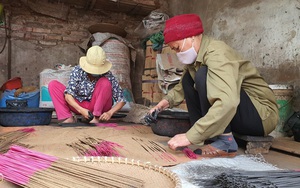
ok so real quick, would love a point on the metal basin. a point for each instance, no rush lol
(169, 123)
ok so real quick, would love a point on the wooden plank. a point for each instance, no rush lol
(254, 138)
(286, 144)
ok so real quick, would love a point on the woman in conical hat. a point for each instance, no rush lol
(91, 90)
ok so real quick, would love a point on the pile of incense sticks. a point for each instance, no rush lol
(95, 147)
(32, 169)
(13, 137)
(256, 179)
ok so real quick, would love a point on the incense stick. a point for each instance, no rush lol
(33, 169)
(13, 137)
(155, 149)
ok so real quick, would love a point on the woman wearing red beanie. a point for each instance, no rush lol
(224, 93)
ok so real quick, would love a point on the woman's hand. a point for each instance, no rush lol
(179, 140)
(84, 112)
(163, 104)
(71, 101)
(153, 109)
(105, 116)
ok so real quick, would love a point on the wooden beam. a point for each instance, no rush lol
(92, 4)
(56, 10)
(126, 6)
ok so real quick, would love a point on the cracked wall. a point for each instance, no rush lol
(267, 32)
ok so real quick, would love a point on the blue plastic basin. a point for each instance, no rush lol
(15, 117)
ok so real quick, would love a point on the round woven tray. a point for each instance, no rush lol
(152, 175)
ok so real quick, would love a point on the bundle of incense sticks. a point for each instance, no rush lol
(32, 169)
(95, 147)
(13, 137)
(256, 179)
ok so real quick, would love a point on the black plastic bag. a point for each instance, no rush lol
(16, 103)
(292, 125)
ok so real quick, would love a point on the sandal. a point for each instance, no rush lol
(77, 124)
(209, 151)
(75, 120)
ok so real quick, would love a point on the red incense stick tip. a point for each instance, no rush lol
(189, 153)
(27, 130)
(105, 148)
(106, 124)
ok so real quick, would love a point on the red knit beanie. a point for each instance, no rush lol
(182, 26)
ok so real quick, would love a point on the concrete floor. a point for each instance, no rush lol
(280, 159)
(283, 160)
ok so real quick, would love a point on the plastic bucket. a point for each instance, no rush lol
(284, 96)
(32, 98)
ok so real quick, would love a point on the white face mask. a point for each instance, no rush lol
(189, 56)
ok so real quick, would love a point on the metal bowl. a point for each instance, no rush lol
(14, 117)
(169, 123)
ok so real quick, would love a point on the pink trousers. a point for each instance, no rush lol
(101, 100)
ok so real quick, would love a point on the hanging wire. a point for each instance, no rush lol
(5, 28)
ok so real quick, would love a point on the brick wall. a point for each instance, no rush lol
(28, 25)
(39, 42)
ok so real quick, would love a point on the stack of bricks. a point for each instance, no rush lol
(150, 88)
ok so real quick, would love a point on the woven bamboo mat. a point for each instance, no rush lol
(137, 141)
(151, 175)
